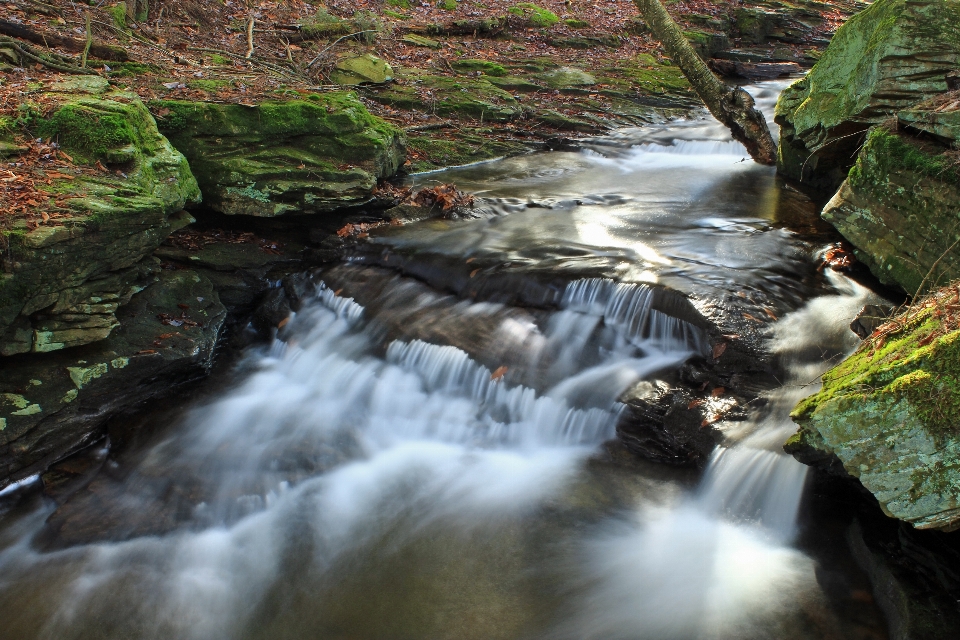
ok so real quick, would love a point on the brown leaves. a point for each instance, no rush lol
(177, 321)
(839, 257)
(499, 373)
(718, 349)
(445, 196)
(196, 239)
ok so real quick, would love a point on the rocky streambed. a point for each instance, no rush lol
(600, 349)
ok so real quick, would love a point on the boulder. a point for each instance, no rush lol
(298, 156)
(53, 404)
(888, 415)
(887, 58)
(365, 69)
(63, 280)
(900, 208)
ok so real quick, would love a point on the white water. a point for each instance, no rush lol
(327, 470)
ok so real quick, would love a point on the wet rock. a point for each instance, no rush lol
(63, 282)
(299, 156)
(273, 310)
(869, 320)
(888, 414)
(887, 58)
(663, 424)
(53, 404)
(365, 69)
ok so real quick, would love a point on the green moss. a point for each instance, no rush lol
(885, 152)
(576, 23)
(219, 59)
(88, 133)
(449, 5)
(119, 14)
(395, 15)
(323, 23)
(485, 66)
(537, 16)
(403, 4)
(208, 85)
(906, 365)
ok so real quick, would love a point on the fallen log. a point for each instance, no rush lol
(730, 105)
(97, 50)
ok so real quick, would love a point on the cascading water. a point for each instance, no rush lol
(403, 463)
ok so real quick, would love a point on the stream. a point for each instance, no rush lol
(428, 448)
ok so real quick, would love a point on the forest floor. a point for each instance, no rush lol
(472, 79)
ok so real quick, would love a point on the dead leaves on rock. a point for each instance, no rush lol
(197, 239)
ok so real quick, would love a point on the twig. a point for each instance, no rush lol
(236, 56)
(86, 49)
(430, 127)
(250, 23)
(335, 42)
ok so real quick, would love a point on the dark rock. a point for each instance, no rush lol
(273, 310)
(868, 320)
(665, 424)
(754, 71)
(54, 404)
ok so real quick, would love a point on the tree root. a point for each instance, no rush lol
(32, 54)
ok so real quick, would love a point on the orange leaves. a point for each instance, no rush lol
(718, 349)
(446, 196)
(839, 257)
(499, 373)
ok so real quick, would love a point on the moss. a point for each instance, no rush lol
(576, 23)
(449, 5)
(208, 85)
(907, 364)
(885, 152)
(537, 16)
(88, 133)
(403, 4)
(485, 66)
(119, 14)
(395, 15)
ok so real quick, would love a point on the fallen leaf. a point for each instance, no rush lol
(717, 392)
(718, 349)
(283, 322)
(499, 373)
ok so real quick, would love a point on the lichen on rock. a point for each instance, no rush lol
(886, 58)
(889, 415)
(274, 158)
(65, 281)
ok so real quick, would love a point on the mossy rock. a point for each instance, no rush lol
(535, 16)
(282, 157)
(67, 281)
(445, 96)
(53, 404)
(900, 207)
(887, 58)
(486, 67)
(365, 69)
(420, 41)
(568, 77)
(889, 414)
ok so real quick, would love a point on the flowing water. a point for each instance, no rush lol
(402, 462)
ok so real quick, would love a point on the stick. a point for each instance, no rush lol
(334, 43)
(86, 49)
(249, 37)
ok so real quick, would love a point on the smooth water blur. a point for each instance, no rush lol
(420, 466)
